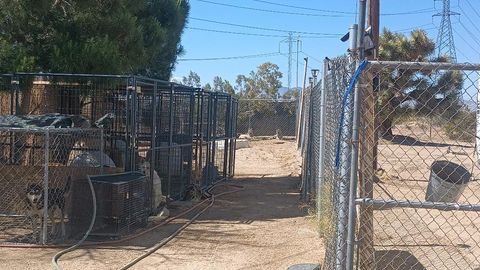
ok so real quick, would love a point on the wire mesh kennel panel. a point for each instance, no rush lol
(120, 203)
(87, 100)
(38, 168)
(172, 147)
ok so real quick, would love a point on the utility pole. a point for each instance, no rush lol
(368, 149)
(374, 23)
(445, 42)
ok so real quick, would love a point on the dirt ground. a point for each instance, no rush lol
(419, 238)
(260, 227)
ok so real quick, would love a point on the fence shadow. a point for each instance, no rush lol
(397, 259)
(410, 141)
(263, 199)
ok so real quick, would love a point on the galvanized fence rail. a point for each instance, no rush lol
(417, 201)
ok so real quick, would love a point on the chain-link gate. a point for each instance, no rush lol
(417, 203)
(419, 197)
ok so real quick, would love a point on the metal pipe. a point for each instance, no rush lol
(191, 132)
(170, 141)
(321, 153)
(388, 204)
(45, 187)
(227, 136)
(102, 151)
(153, 145)
(344, 174)
(300, 110)
(355, 137)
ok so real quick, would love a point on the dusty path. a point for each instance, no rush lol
(260, 227)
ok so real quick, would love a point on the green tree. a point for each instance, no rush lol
(207, 87)
(262, 88)
(193, 80)
(94, 36)
(431, 92)
(263, 83)
(220, 85)
(228, 88)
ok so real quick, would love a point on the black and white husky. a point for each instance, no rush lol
(35, 200)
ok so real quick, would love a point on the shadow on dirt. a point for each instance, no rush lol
(397, 259)
(410, 141)
(268, 199)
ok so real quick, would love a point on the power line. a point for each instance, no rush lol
(466, 42)
(250, 34)
(473, 8)
(313, 58)
(415, 27)
(230, 57)
(470, 20)
(304, 8)
(266, 29)
(470, 33)
(269, 11)
(418, 11)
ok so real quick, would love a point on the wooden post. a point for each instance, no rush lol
(368, 151)
(366, 252)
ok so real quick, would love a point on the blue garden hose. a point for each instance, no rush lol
(346, 95)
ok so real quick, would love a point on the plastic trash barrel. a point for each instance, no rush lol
(447, 182)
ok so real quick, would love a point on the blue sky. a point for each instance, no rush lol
(202, 38)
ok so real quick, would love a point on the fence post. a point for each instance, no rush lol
(321, 153)
(343, 185)
(227, 135)
(170, 140)
(45, 187)
(153, 145)
(366, 175)
(355, 137)
(102, 150)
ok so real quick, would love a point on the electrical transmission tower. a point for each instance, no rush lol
(290, 59)
(291, 40)
(445, 43)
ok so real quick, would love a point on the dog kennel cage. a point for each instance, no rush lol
(187, 135)
(38, 168)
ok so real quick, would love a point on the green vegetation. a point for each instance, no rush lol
(432, 93)
(462, 126)
(92, 36)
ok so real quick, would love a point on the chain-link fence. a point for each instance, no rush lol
(41, 170)
(413, 199)
(267, 117)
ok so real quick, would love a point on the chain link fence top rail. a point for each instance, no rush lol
(418, 197)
